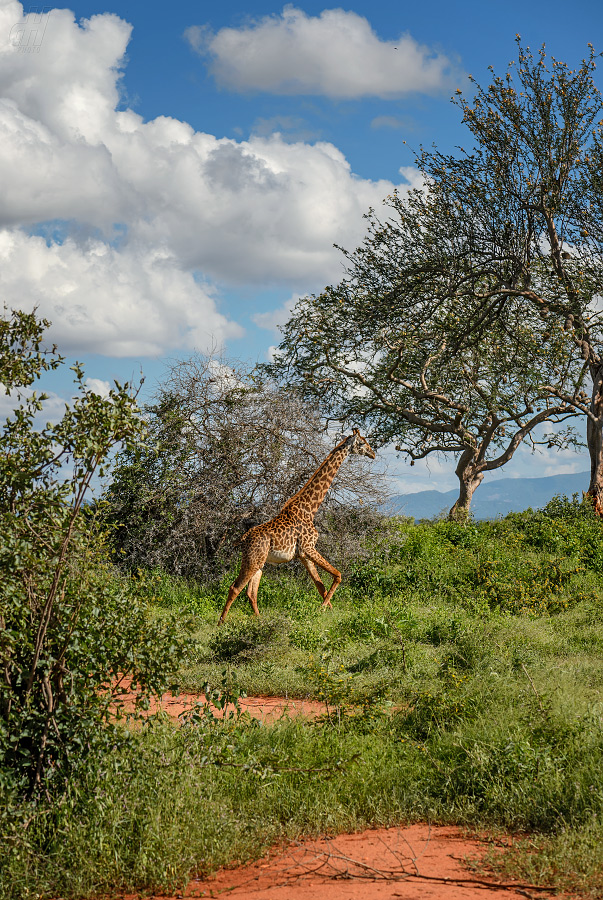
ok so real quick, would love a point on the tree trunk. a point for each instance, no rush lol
(594, 440)
(470, 477)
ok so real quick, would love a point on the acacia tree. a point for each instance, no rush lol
(382, 359)
(503, 243)
(225, 450)
(523, 221)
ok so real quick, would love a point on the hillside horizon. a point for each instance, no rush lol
(491, 499)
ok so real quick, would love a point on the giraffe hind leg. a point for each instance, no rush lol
(248, 572)
(252, 591)
(255, 553)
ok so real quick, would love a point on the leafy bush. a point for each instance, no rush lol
(443, 628)
(371, 578)
(528, 563)
(524, 586)
(440, 709)
(305, 637)
(368, 623)
(67, 628)
(341, 694)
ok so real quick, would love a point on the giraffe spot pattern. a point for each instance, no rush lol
(292, 534)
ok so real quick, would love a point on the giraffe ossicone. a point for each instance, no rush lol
(291, 534)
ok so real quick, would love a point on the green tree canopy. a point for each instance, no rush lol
(525, 219)
(478, 295)
(389, 363)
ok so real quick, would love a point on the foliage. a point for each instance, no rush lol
(441, 709)
(402, 380)
(469, 315)
(529, 562)
(66, 627)
(341, 692)
(219, 703)
(495, 720)
(225, 451)
(526, 201)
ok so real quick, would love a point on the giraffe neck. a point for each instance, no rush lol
(311, 495)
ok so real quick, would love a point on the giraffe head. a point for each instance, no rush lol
(359, 445)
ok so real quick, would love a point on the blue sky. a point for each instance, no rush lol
(173, 177)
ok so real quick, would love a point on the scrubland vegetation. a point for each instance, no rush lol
(462, 671)
(462, 665)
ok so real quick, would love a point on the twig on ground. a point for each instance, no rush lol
(328, 866)
(527, 674)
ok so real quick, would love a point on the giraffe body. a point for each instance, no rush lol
(291, 534)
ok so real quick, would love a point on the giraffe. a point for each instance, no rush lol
(291, 534)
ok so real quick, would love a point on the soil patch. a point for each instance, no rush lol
(417, 862)
(413, 863)
(266, 709)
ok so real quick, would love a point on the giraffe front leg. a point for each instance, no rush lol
(246, 574)
(313, 556)
(313, 573)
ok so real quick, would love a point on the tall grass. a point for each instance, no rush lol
(465, 665)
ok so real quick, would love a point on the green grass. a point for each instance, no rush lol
(465, 667)
(570, 860)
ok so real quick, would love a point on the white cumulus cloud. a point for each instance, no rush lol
(98, 386)
(276, 318)
(336, 54)
(148, 220)
(260, 211)
(120, 303)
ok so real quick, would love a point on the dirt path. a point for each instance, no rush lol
(267, 709)
(412, 863)
(417, 862)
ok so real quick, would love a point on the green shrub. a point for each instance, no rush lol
(523, 585)
(367, 624)
(67, 627)
(466, 654)
(443, 629)
(305, 637)
(440, 709)
(371, 578)
(382, 657)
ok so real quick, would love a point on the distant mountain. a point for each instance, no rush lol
(491, 499)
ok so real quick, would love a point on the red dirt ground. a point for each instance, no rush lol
(416, 862)
(267, 709)
(412, 863)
